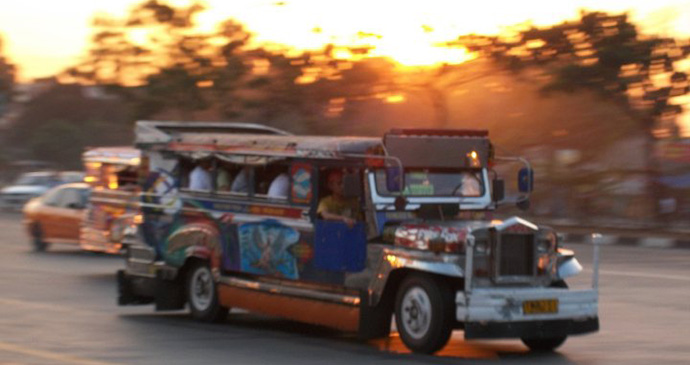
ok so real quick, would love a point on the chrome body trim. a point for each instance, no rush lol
(287, 290)
(395, 258)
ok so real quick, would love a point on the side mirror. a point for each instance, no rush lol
(499, 190)
(393, 180)
(352, 185)
(525, 180)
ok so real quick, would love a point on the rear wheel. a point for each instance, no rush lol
(546, 343)
(424, 313)
(37, 239)
(202, 295)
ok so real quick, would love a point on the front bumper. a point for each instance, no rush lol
(498, 313)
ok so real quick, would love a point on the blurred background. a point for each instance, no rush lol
(594, 94)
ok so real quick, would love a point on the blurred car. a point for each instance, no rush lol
(57, 216)
(67, 177)
(27, 186)
(33, 184)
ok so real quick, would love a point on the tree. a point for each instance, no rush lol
(605, 53)
(7, 79)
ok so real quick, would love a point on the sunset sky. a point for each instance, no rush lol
(43, 37)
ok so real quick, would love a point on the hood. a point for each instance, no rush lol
(25, 189)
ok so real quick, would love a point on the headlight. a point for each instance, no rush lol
(547, 243)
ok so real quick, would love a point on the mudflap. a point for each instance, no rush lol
(129, 290)
(374, 321)
(169, 294)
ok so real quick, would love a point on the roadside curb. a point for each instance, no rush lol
(623, 240)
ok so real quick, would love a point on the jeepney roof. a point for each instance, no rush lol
(122, 155)
(200, 139)
(287, 146)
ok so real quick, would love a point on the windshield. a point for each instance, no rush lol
(435, 182)
(39, 180)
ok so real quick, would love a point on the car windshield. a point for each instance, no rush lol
(37, 180)
(431, 182)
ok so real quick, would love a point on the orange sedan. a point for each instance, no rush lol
(57, 215)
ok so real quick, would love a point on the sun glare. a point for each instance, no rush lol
(411, 33)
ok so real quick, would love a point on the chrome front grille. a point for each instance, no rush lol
(514, 257)
(517, 255)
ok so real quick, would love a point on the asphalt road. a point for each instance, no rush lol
(59, 307)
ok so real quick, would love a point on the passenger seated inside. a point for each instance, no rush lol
(335, 206)
(470, 185)
(200, 177)
(279, 186)
(225, 171)
(241, 182)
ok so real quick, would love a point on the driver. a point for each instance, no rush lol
(335, 206)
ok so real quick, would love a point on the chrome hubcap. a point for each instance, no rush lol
(416, 312)
(201, 289)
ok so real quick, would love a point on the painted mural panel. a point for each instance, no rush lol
(265, 249)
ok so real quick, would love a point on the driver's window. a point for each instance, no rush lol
(53, 197)
(334, 200)
(70, 198)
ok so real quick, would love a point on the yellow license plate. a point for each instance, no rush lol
(540, 306)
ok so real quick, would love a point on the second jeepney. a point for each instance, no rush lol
(215, 235)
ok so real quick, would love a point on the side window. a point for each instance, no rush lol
(197, 175)
(232, 178)
(70, 198)
(272, 181)
(338, 195)
(52, 198)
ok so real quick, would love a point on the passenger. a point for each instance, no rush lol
(200, 177)
(336, 206)
(241, 182)
(223, 181)
(470, 185)
(279, 187)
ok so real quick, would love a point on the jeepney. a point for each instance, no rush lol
(419, 253)
(112, 173)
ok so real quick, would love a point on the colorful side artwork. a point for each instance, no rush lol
(301, 183)
(264, 249)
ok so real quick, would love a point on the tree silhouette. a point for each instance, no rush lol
(606, 53)
(7, 79)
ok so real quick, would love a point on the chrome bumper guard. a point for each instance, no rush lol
(498, 312)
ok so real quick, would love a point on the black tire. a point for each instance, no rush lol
(202, 294)
(548, 343)
(37, 240)
(424, 313)
(544, 344)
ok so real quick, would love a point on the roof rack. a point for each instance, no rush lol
(163, 131)
(439, 132)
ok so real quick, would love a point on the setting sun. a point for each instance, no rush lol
(410, 33)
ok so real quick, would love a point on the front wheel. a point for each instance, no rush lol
(424, 313)
(544, 344)
(202, 295)
(37, 238)
(548, 343)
